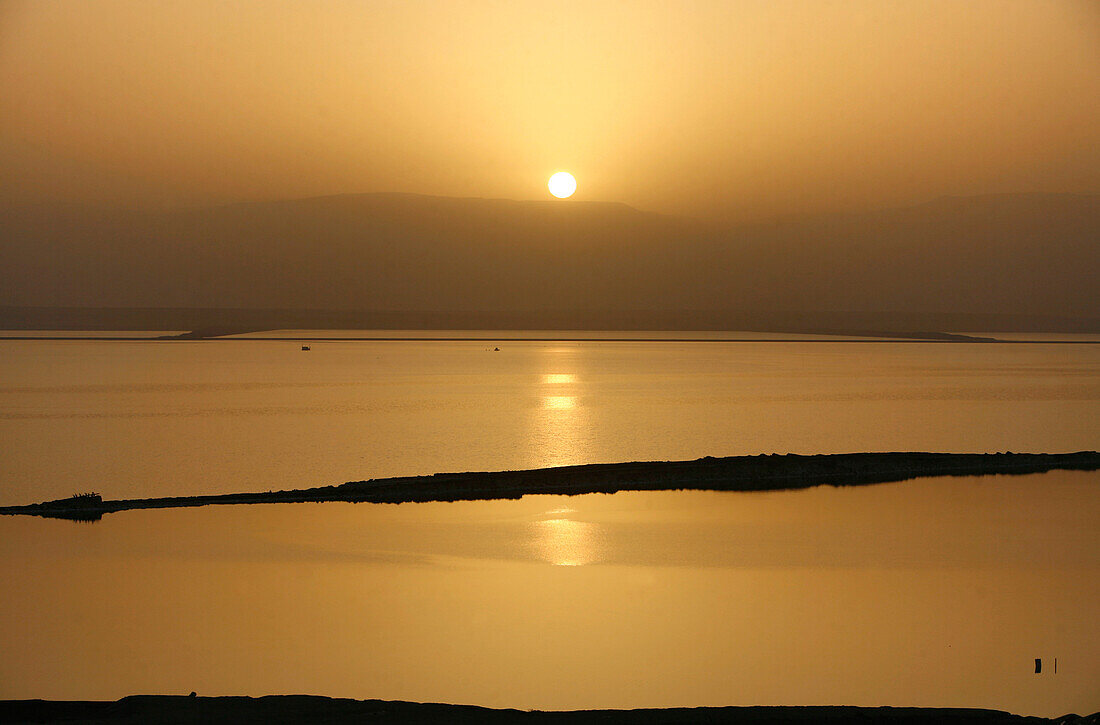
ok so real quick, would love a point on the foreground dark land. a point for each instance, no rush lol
(736, 473)
(303, 708)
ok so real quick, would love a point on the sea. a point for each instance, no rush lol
(929, 592)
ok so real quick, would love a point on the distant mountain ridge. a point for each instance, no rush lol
(1029, 255)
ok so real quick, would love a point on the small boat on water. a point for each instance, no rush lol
(305, 347)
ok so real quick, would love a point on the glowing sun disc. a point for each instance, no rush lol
(562, 185)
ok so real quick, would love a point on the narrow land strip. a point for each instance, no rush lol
(286, 709)
(735, 473)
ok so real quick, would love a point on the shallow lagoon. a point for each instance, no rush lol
(932, 592)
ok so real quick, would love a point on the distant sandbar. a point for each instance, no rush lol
(735, 473)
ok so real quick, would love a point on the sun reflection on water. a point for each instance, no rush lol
(559, 431)
(559, 402)
(563, 541)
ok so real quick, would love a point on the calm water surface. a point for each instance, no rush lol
(938, 592)
(132, 419)
(934, 592)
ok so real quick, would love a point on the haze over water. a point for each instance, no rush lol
(851, 178)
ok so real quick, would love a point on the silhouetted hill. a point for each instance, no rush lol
(1015, 255)
(1008, 254)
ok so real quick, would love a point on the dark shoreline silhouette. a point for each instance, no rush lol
(306, 708)
(735, 473)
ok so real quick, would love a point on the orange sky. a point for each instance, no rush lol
(716, 109)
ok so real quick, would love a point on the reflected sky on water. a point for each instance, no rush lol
(932, 592)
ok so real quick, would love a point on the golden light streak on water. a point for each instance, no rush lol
(559, 402)
(564, 542)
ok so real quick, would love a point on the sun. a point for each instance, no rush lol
(562, 185)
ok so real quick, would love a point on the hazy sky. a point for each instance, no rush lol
(734, 109)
